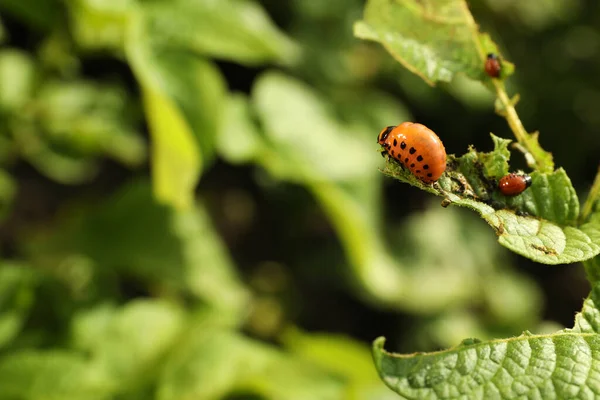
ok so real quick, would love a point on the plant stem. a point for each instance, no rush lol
(593, 198)
(511, 114)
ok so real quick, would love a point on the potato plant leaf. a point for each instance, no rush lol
(539, 224)
(563, 365)
(235, 30)
(437, 40)
(433, 39)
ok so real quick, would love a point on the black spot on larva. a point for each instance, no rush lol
(402, 145)
(395, 142)
(429, 175)
(412, 150)
(412, 165)
(419, 159)
(406, 160)
(418, 171)
(393, 153)
(426, 166)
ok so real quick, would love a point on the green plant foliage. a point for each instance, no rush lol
(236, 30)
(554, 366)
(16, 298)
(344, 356)
(209, 363)
(288, 110)
(52, 374)
(132, 234)
(437, 40)
(545, 233)
(118, 342)
(432, 39)
(191, 206)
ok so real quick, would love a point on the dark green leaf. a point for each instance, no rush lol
(39, 14)
(16, 298)
(131, 233)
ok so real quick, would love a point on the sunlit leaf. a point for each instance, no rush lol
(176, 159)
(101, 24)
(17, 78)
(433, 39)
(210, 363)
(236, 30)
(300, 126)
(118, 340)
(184, 97)
(239, 139)
(51, 375)
(343, 356)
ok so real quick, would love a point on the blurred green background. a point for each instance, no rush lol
(191, 206)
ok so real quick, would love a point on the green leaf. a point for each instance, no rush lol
(210, 363)
(85, 119)
(558, 366)
(67, 126)
(17, 78)
(239, 139)
(535, 155)
(51, 375)
(433, 39)
(561, 365)
(98, 25)
(184, 97)
(538, 224)
(592, 266)
(17, 285)
(176, 161)
(119, 343)
(343, 356)
(588, 319)
(428, 281)
(236, 30)
(174, 251)
(495, 163)
(301, 128)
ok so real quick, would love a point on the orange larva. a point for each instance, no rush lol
(514, 184)
(416, 147)
(492, 65)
